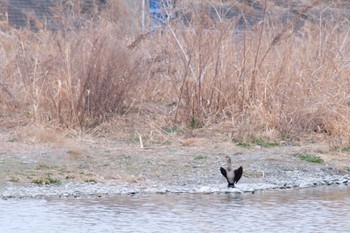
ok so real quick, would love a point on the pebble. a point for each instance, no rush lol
(82, 190)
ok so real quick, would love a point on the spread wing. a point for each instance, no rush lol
(223, 172)
(238, 174)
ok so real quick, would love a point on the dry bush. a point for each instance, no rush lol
(273, 74)
(273, 77)
(69, 77)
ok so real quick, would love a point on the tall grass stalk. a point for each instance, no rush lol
(267, 77)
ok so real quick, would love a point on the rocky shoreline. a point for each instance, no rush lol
(94, 190)
(101, 167)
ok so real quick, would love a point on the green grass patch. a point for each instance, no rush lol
(200, 157)
(264, 143)
(42, 167)
(311, 158)
(129, 167)
(91, 181)
(167, 143)
(243, 144)
(195, 123)
(14, 179)
(135, 138)
(171, 130)
(286, 136)
(345, 149)
(70, 177)
(47, 179)
(347, 168)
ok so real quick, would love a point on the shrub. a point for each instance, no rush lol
(311, 158)
(256, 73)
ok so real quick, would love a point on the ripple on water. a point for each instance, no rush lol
(322, 209)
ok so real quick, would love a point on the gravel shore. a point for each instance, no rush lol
(98, 167)
(86, 190)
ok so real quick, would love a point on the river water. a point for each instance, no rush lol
(321, 209)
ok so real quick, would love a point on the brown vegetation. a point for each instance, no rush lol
(269, 77)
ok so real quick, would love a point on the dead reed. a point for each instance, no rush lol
(270, 76)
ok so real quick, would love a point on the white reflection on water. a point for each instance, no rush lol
(323, 209)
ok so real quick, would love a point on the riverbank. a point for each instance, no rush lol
(37, 163)
(89, 190)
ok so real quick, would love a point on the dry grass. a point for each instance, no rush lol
(270, 77)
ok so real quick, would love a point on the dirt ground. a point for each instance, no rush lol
(37, 157)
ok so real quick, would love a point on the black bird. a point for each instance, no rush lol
(232, 176)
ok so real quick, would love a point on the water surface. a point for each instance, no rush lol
(322, 209)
